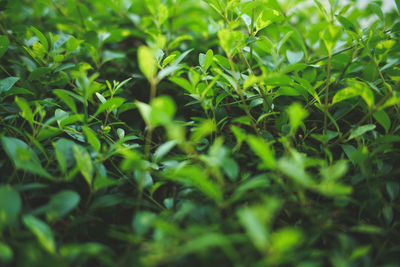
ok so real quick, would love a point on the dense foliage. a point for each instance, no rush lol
(185, 132)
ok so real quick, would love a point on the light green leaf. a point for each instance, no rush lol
(196, 177)
(26, 110)
(42, 232)
(296, 116)
(262, 149)
(285, 239)
(162, 150)
(6, 253)
(230, 40)
(145, 111)
(375, 8)
(92, 138)
(110, 105)
(355, 89)
(294, 57)
(147, 62)
(162, 110)
(84, 163)
(361, 130)
(185, 84)
(42, 38)
(111, 55)
(255, 227)
(208, 59)
(267, 17)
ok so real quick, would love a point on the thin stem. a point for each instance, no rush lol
(252, 35)
(372, 111)
(332, 55)
(239, 90)
(326, 107)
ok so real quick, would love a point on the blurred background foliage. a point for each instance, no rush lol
(184, 132)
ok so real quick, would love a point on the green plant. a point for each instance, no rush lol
(181, 132)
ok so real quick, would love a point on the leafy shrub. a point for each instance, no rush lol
(183, 132)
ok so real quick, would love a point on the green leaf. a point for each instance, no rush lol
(7, 83)
(285, 239)
(23, 157)
(361, 130)
(162, 110)
(68, 100)
(267, 17)
(4, 44)
(42, 232)
(208, 59)
(196, 177)
(162, 150)
(257, 220)
(92, 138)
(230, 40)
(147, 62)
(61, 204)
(293, 166)
(42, 38)
(383, 119)
(231, 168)
(6, 253)
(294, 57)
(185, 84)
(255, 227)
(110, 105)
(10, 206)
(355, 89)
(84, 163)
(262, 149)
(347, 24)
(145, 111)
(110, 55)
(64, 153)
(376, 9)
(392, 188)
(143, 221)
(26, 110)
(296, 116)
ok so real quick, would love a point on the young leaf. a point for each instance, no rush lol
(26, 110)
(361, 130)
(42, 232)
(147, 62)
(110, 105)
(262, 150)
(42, 38)
(84, 163)
(92, 138)
(230, 40)
(208, 59)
